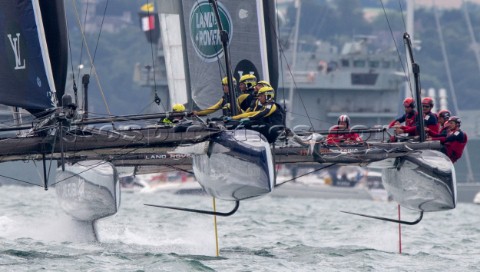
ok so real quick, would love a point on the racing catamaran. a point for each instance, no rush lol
(219, 38)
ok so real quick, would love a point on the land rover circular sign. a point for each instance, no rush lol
(204, 30)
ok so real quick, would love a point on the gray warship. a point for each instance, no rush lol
(329, 81)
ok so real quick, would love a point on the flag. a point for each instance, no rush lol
(149, 22)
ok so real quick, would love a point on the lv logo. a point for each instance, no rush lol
(15, 43)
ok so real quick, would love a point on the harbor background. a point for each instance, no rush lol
(268, 234)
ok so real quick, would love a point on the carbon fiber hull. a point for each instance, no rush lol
(88, 190)
(236, 165)
(421, 181)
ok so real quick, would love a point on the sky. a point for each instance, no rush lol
(428, 3)
(444, 3)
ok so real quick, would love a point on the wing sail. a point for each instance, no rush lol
(245, 22)
(26, 78)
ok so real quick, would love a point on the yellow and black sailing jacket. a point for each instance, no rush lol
(223, 104)
(270, 113)
(245, 100)
(255, 106)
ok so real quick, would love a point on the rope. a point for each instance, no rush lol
(308, 173)
(407, 75)
(92, 69)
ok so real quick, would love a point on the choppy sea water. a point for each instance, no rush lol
(268, 234)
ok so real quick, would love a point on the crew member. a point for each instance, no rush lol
(255, 103)
(223, 103)
(408, 119)
(443, 117)
(247, 85)
(341, 133)
(174, 120)
(269, 119)
(455, 141)
(429, 118)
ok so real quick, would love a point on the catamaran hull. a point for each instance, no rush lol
(236, 165)
(422, 181)
(88, 190)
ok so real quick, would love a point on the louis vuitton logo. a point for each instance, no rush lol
(15, 43)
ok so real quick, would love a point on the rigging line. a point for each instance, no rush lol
(179, 169)
(294, 82)
(401, 12)
(322, 19)
(102, 162)
(51, 159)
(221, 69)
(406, 75)
(276, 30)
(470, 177)
(146, 107)
(19, 180)
(471, 33)
(71, 64)
(93, 70)
(156, 99)
(57, 133)
(308, 173)
(99, 34)
(78, 174)
(84, 25)
(219, 60)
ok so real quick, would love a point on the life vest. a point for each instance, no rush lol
(454, 144)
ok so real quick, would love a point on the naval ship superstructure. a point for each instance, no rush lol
(328, 82)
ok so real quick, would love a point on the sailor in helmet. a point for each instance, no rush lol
(268, 118)
(247, 85)
(408, 118)
(223, 103)
(341, 132)
(429, 118)
(443, 117)
(455, 141)
(255, 103)
(176, 108)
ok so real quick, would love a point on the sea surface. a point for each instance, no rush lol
(267, 234)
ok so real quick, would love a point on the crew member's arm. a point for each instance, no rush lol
(211, 109)
(241, 100)
(333, 137)
(431, 123)
(409, 129)
(256, 115)
(354, 137)
(400, 120)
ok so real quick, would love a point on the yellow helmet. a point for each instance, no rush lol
(264, 83)
(268, 91)
(225, 81)
(178, 107)
(249, 80)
